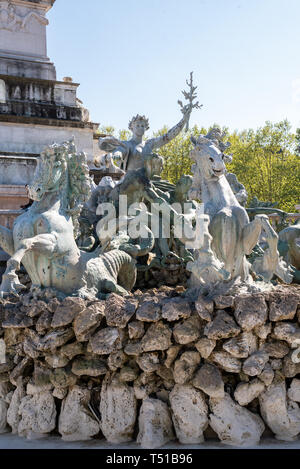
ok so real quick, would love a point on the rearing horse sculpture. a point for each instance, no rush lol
(43, 237)
(234, 236)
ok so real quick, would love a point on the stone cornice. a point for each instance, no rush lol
(46, 122)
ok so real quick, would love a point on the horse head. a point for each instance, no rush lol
(208, 153)
(51, 171)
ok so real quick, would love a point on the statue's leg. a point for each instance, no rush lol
(10, 281)
(6, 240)
(251, 233)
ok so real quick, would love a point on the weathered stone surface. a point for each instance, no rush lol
(106, 341)
(289, 368)
(226, 361)
(13, 337)
(17, 320)
(172, 353)
(283, 306)
(149, 311)
(56, 360)
(250, 311)
(60, 393)
(133, 348)
(155, 424)
(116, 360)
(88, 320)
(72, 350)
(54, 339)
(223, 302)
(13, 416)
(38, 415)
(188, 331)
(75, 422)
(234, 424)
(63, 378)
(36, 308)
(3, 416)
(205, 346)
(128, 374)
(44, 322)
(276, 364)
(145, 385)
(255, 364)
(267, 375)
(241, 346)
(222, 327)
(118, 409)
(263, 331)
(67, 311)
(119, 310)
(175, 309)
(88, 365)
(189, 414)
(23, 369)
(294, 390)
(209, 379)
(204, 308)
(185, 367)
(247, 392)
(166, 374)
(276, 349)
(290, 332)
(157, 337)
(148, 362)
(282, 418)
(136, 329)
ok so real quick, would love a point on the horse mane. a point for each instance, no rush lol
(76, 170)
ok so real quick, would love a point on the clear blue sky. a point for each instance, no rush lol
(133, 56)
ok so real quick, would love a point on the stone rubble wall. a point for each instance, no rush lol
(151, 367)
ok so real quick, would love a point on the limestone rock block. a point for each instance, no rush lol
(250, 311)
(157, 337)
(75, 421)
(106, 341)
(128, 374)
(15, 320)
(38, 415)
(145, 384)
(189, 414)
(67, 311)
(22, 370)
(226, 361)
(155, 424)
(222, 327)
(290, 332)
(54, 339)
(118, 409)
(136, 329)
(204, 308)
(205, 346)
(276, 348)
(133, 348)
(44, 322)
(188, 331)
(148, 362)
(209, 379)
(283, 306)
(116, 360)
(263, 331)
(247, 392)
(35, 308)
(88, 320)
(172, 353)
(3, 416)
(72, 350)
(56, 360)
(175, 309)
(119, 310)
(282, 418)
(88, 365)
(224, 301)
(241, 346)
(149, 311)
(13, 416)
(235, 425)
(267, 375)
(185, 367)
(294, 390)
(63, 378)
(255, 364)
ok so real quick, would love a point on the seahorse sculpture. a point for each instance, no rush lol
(43, 237)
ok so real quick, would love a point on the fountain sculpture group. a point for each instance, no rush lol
(217, 356)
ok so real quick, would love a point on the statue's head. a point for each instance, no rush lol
(138, 125)
(208, 152)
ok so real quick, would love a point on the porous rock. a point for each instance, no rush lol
(88, 365)
(226, 361)
(157, 337)
(250, 311)
(88, 320)
(185, 367)
(188, 331)
(205, 346)
(118, 409)
(209, 379)
(136, 329)
(13, 416)
(119, 310)
(67, 311)
(155, 424)
(241, 346)
(189, 413)
(255, 364)
(247, 392)
(234, 425)
(205, 308)
(283, 306)
(222, 327)
(149, 311)
(294, 390)
(106, 341)
(175, 309)
(38, 415)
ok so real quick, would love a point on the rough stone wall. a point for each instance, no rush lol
(153, 367)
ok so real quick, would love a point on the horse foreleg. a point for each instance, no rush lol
(251, 232)
(43, 243)
(6, 240)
